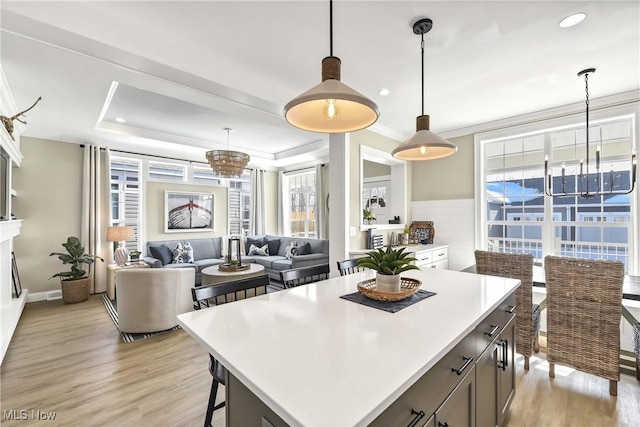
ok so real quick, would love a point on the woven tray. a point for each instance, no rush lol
(408, 287)
(228, 268)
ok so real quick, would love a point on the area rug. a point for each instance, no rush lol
(126, 336)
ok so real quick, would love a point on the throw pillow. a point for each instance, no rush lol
(291, 248)
(177, 253)
(274, 246)
(187, 252)
(161, 252)
(251, 241)
(303, 249)
(263, 251)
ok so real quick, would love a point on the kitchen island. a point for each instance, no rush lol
(306, 357)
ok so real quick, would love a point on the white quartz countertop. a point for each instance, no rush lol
(319, 360)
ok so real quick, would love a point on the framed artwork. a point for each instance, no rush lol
(187, 212)
(17, 287)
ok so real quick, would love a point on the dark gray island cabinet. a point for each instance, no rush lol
(465, 337)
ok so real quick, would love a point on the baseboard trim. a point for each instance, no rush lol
(44, 296)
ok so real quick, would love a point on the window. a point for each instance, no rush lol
(240, 203)
(300, 204)
(204, 175)
(125, 196)
(514, 214)
(167, 171)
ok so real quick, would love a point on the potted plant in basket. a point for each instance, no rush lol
(74, 283)
(388, 264)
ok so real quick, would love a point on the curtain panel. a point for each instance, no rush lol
(96, 213)
(257, 225)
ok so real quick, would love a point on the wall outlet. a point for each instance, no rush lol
(352, 231)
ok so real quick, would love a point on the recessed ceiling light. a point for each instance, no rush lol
(120, 120)
(384, 92)
(572, 20)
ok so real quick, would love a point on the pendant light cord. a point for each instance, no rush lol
(586, 89)
(330, 27)
(422, 54)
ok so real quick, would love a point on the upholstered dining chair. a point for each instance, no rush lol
(216, 294)
(304, 275)
(349, 266)
(584, 305)
(516, 266)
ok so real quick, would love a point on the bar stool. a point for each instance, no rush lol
(636, 347)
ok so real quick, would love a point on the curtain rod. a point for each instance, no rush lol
(157, 157)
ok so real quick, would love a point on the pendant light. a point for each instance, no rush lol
(331, 106)
(584, 178)
(424, 144)
(227, 163)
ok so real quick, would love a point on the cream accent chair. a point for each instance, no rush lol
(149, 299)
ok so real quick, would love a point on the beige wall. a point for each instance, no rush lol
(49, 189)
(365, 137)
(373, 169)
(446, 179)
(271, 202)
(154, 205)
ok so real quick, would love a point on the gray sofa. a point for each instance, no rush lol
(207, 252)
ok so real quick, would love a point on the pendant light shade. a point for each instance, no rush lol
(424, 144)
(331, 106)
(227, 163)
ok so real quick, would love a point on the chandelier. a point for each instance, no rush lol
(331, 106)
(583, 181)
(227, 163)
(424, 144)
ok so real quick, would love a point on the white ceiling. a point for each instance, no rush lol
(180, 72)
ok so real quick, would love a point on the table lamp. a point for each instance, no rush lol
(120, 234)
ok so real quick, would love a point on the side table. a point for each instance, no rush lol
(112, 269)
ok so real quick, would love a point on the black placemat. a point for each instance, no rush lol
(392, 306)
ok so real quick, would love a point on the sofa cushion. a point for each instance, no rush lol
(204, 249)
(209, 262)
(261, 251)
(303, 249)
(290, 251)
(274, 245)
(181, 265)
(267, 261)
(162, 252)
(281, 264)
(258, 241)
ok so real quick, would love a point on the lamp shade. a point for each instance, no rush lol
(120, 233)
(331, 106)
(424, 144)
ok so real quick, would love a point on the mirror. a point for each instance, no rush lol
(383, 195)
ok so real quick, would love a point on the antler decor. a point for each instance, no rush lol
(8, 121)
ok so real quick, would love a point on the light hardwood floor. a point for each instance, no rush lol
(69, 359)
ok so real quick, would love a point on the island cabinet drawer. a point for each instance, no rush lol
(494, 323)
(415, 406)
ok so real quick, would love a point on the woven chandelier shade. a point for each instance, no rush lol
(227, 163)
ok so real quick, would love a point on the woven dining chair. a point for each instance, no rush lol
(349, 266)
(516, 266)
(584, 306)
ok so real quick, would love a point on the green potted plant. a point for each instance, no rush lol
(368, 215)
(75, 283)
(135, 255)
(388, 264)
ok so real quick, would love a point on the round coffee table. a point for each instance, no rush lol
(212, 275)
